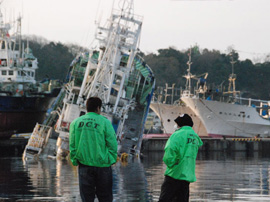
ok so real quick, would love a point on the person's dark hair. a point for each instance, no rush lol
(93, 103)
(184, 120)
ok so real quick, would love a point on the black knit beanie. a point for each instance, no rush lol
(184, 120)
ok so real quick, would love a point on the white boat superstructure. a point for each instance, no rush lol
(227, 114)
(18, 65)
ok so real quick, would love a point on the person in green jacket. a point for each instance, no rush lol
(180, 158)
(93, 147)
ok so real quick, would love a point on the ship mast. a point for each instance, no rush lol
(119, 38)
(201, 85)
(232, 78)
(19, 34)
(4, 37)
(188, 76)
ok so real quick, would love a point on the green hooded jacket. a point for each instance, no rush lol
(180, 154)
(92, 141)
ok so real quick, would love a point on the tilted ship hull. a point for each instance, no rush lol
(114, 71)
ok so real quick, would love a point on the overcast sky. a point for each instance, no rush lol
(212, 24)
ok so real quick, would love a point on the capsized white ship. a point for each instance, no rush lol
(227, 114)
(115, 72)
(167, 105)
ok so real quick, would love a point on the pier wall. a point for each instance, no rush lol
(210, 144)
(157, 144)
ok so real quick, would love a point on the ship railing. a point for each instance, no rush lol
(37, 141)
(250, 101)
(134, 19)
(167, 95)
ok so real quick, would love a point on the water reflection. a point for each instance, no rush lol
(54, 179)
(13, 180)
(220, 177)
(129, 182)
(232, 177)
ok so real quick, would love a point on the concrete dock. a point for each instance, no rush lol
(212, 144)
(157, 143)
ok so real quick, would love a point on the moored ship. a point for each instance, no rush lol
(227, 114)
(23, 101)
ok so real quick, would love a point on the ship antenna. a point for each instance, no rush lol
(188, 84)
(1, 15)
(232, 78)
(19, 32)
(232, 62)
(27, 46)
(126, 5)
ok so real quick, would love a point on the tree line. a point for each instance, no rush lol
(169, 65)
(54, 58)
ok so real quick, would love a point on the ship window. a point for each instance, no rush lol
(32, 74)
(220, 112)
(4, 62)
(239, 115)
(19, 73)
(169, 120)
(10, 72)
(29, 73)
(4, 72)
(230, 113)
(248, 116)
(244, 116)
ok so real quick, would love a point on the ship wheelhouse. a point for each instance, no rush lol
(14, 68)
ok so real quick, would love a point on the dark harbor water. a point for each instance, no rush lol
(220, 177)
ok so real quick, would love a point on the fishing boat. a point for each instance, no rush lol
(115, 72)
(226, 113)
(23, 100)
